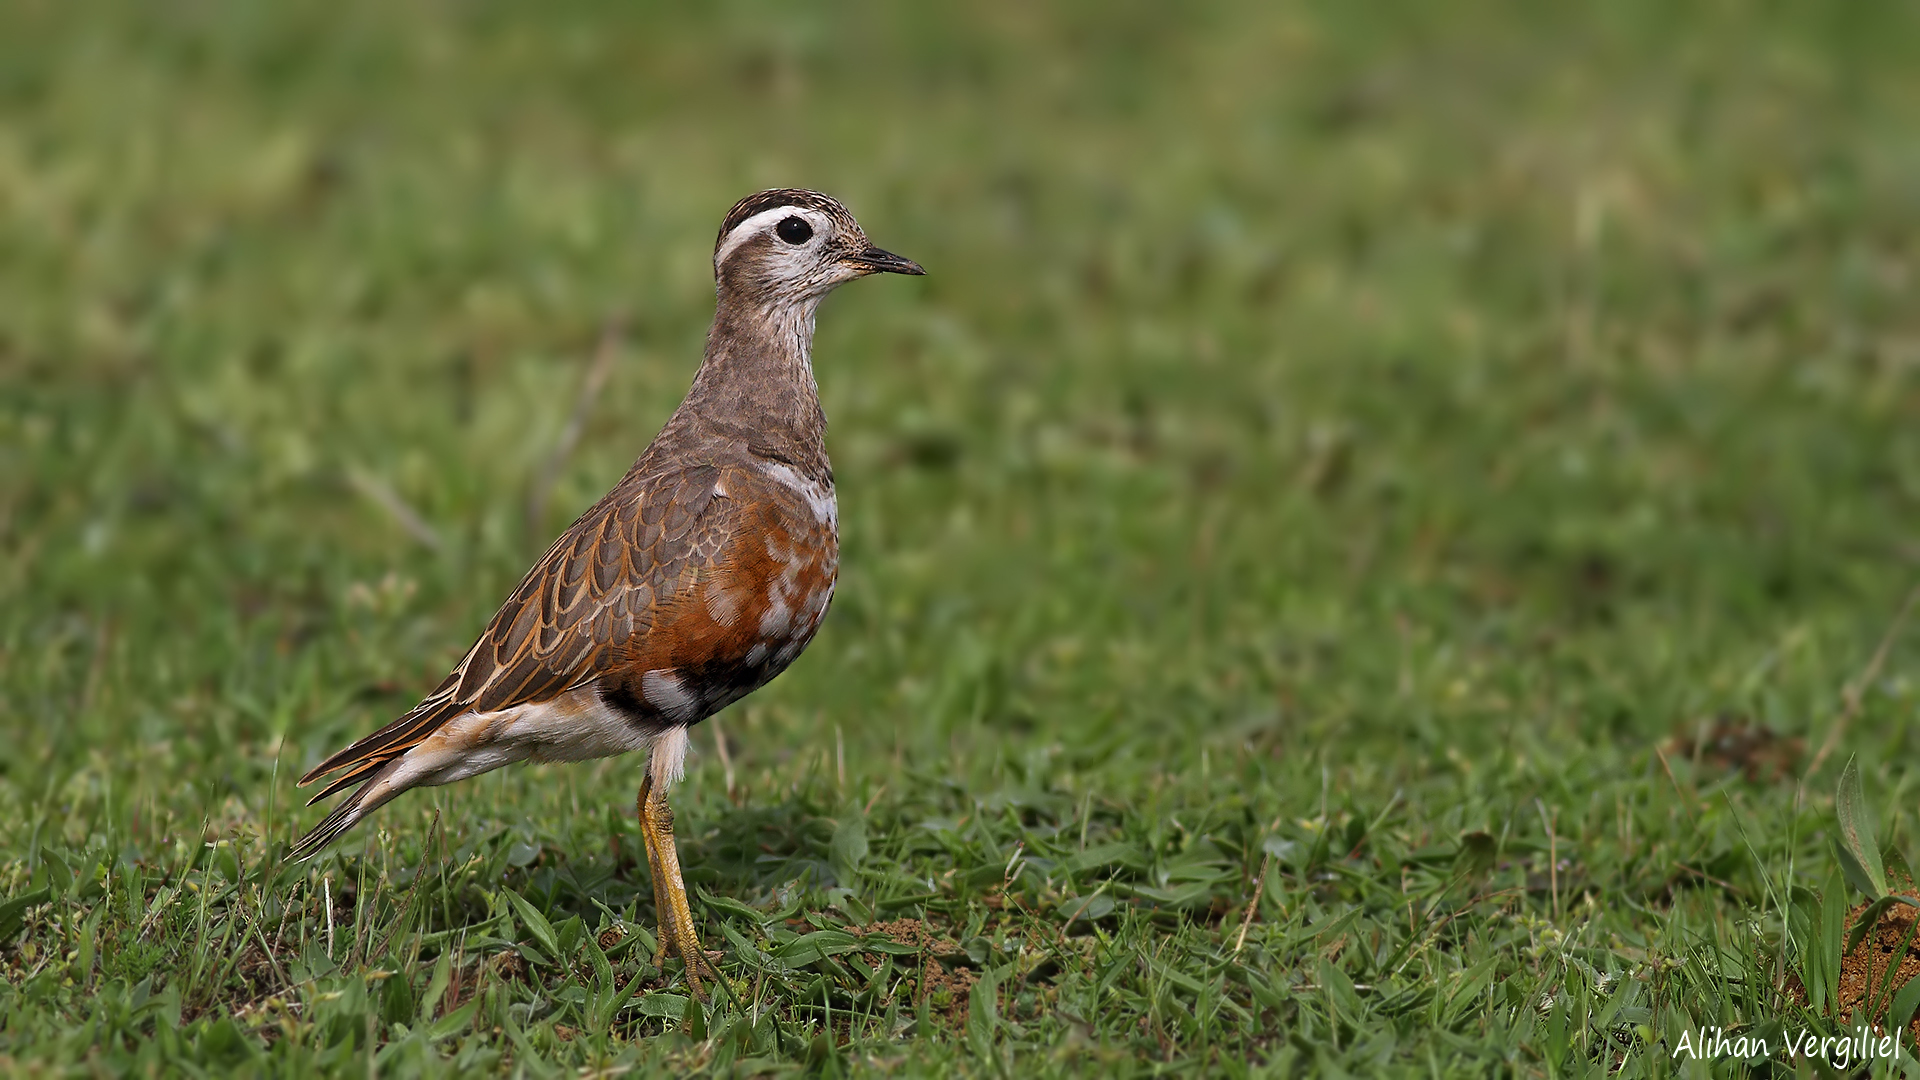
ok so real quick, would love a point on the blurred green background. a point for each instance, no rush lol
(1303, 398)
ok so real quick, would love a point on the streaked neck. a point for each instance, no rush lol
(756, 383)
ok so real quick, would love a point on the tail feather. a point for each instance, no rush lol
(365, 763)
(349, 778)
(344, 817)
(386, 744)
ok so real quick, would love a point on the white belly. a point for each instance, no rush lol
(575, 726)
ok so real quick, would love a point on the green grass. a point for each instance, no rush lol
(1327, 432)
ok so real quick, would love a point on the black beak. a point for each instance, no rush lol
(875, 261)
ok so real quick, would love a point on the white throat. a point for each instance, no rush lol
(791, 324)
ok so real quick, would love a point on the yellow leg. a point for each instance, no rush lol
(669, 891)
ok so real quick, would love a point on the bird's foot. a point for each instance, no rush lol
(695, 961)
(677, 935)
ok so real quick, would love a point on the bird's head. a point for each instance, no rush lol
(790, 247)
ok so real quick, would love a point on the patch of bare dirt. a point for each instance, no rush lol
(1863, 971)
(508, 965)
(1738, 744)
(945, 978)
(907, 932)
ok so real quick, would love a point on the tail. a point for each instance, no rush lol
(344, 817)
(367, 763)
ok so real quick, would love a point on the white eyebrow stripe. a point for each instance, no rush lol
(759, 221)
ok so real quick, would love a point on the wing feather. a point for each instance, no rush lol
(592, 589)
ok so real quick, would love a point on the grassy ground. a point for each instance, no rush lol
(1342, 461)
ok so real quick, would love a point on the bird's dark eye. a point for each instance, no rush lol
(794, 231)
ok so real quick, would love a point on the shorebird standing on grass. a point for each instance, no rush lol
(699, 577)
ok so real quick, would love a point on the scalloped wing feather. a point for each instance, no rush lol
(601, 582)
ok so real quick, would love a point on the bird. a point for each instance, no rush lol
(699, 577)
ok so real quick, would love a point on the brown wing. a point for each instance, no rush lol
(602, 584)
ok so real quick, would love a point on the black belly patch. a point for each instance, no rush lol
(712, 686)
(621, 698)
(720, 683)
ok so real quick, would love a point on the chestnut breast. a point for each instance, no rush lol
(756, 585)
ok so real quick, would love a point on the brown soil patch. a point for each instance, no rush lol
(1736, 743)
(1863, 971)
(949, 992)
(907, 932)
(508, 965)
(945, 987)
